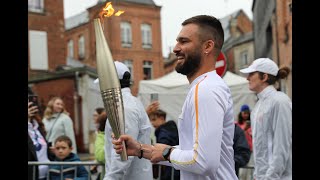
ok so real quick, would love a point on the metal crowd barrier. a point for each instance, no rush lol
(89, 164)
(172, 172)
(246, 172)
(78, 163)
(159, 172)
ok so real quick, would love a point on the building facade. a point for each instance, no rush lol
(134, 38)
(273, 35)
(62, 59)
(238, 45)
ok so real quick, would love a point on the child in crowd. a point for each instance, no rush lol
(63, 151)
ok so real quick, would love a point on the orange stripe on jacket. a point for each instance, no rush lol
(197, 129)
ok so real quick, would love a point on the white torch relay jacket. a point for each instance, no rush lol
(138, 126)
(206, 129)
(272, 135)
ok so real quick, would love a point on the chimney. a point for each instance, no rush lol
(233, 28)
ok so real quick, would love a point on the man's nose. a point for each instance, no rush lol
(176, 48)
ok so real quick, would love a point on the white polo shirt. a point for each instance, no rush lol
(206, 128)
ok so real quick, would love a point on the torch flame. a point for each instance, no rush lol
(119, 13)
(108, 11)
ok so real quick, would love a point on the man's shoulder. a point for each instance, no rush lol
(281, 99)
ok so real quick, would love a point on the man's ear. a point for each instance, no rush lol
(208, 46)
(265, 77)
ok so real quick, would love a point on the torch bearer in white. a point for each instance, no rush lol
(109, 85)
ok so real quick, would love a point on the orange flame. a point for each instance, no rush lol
(119, 13)
(108, 11)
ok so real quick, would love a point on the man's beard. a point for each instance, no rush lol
(190, 65)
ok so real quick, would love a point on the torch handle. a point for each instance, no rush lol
(113, 103)
(123, 154)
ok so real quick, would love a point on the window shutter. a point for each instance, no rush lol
(38, 48)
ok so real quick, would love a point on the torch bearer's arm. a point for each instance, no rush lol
(133, 147)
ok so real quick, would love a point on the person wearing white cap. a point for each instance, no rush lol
(137, 125)
(271, 120)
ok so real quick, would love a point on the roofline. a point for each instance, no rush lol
(234, 42)
(70, 73)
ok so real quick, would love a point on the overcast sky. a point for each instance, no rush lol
(173, 13)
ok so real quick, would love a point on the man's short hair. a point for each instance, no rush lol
(210, 28)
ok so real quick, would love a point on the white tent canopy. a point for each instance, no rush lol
(173, 88)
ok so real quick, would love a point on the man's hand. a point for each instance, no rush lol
(156, 154)
(132, 146)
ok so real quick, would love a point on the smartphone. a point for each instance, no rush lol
(154, 97)
(34, 100)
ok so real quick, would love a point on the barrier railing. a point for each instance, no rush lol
(77, 163)
(89, 164)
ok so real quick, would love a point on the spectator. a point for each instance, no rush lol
(271, 121)
(245, 124)
(57, 122)
(166, 133)
(241, 149)
(63, 151)
(38, 149)
(100, 140)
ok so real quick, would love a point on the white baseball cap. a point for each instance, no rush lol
(121, 69)
(264, 65)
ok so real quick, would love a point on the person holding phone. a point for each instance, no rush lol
(37, 145)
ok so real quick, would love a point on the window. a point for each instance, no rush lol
(244, 58)
(81, 45)
(35, 5)
(129, 64)
(147, 70)
(146, 36)
(38, 49)
(126, 38)
(70, 48)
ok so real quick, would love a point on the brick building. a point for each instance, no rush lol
(46, 36)
(238, 41)
(134, 38)
(273, 34)
(62, 54)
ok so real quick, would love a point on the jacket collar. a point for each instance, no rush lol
(266, 92)
(201, 77)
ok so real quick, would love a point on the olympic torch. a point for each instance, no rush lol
(109, 85)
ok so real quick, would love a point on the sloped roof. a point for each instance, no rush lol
(74, 63)
(149, 2)
(63, 71)
(83, 17)
(239, 40)
(225, 22)
(76, 20)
